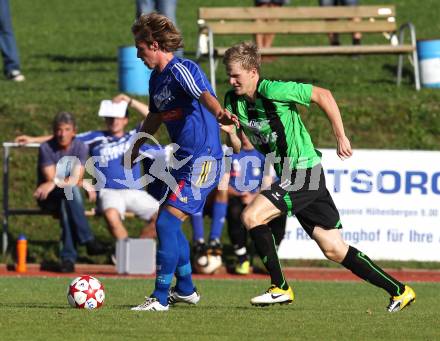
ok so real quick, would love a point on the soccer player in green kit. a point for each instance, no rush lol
(269, 117)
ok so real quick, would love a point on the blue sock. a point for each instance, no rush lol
(167, 255)
(218, 219)
(197, 225)
(184, 283)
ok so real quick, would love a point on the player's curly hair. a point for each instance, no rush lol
(246, 54)
(156, 27)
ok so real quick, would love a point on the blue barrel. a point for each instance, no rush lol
(133, 74)
(429, 61)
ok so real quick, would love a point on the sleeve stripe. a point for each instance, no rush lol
(189, 80)
(82, 137)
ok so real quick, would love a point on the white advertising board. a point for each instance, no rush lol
(389, 203)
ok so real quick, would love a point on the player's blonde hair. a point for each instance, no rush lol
(246, 54)
(156, 27)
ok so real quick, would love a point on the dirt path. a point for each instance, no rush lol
(309, 274)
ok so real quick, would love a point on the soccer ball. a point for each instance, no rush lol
(207, 264)
(85, 292)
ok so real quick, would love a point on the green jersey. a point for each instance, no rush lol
(273, 124)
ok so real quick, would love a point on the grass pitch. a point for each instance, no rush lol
(69, 52)
(37, 309)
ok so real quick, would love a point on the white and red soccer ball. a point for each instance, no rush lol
(207, 264)
(85, 292)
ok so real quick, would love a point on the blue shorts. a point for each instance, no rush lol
(193, 187)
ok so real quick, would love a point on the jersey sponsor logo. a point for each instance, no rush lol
(261, 132)
(258, 138)
(163, 98)
(255, 125)
(112, 151)
(172, 115)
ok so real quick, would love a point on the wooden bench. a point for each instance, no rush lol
(380, 19)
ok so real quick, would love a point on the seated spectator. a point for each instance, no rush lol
(266, 40)
(50, 197)
(117, 196)
(334, 37)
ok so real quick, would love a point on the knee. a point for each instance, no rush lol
(151, 205)
(112, 213)
(249, 217)
(335, 252)
(76, 193)
(72, 196)
(113, 217)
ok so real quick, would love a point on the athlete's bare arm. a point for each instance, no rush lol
(149, 126)
(233, 137)
(49, 175)
(25, 139)
(222, 115)
(325, 100)
(133, 103)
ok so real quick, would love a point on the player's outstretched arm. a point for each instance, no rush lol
(212, 104)
(325, 100)
(25, 139)
(133, 103)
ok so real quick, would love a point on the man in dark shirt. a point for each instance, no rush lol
(60, 169)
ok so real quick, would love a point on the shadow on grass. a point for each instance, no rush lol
(87, 88)
(92, 59)
(382, 81)
(122, 306)
(392, 69)
(78, 59)
(227, 309)
(36, 305)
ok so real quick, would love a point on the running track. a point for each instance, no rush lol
(305, 274)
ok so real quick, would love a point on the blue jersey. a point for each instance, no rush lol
(174, 94)
(109, 151)
(247, 171)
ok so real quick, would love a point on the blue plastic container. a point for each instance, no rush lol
(133, 74)
(429, 61)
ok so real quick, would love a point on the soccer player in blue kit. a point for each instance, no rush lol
(182, 98)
